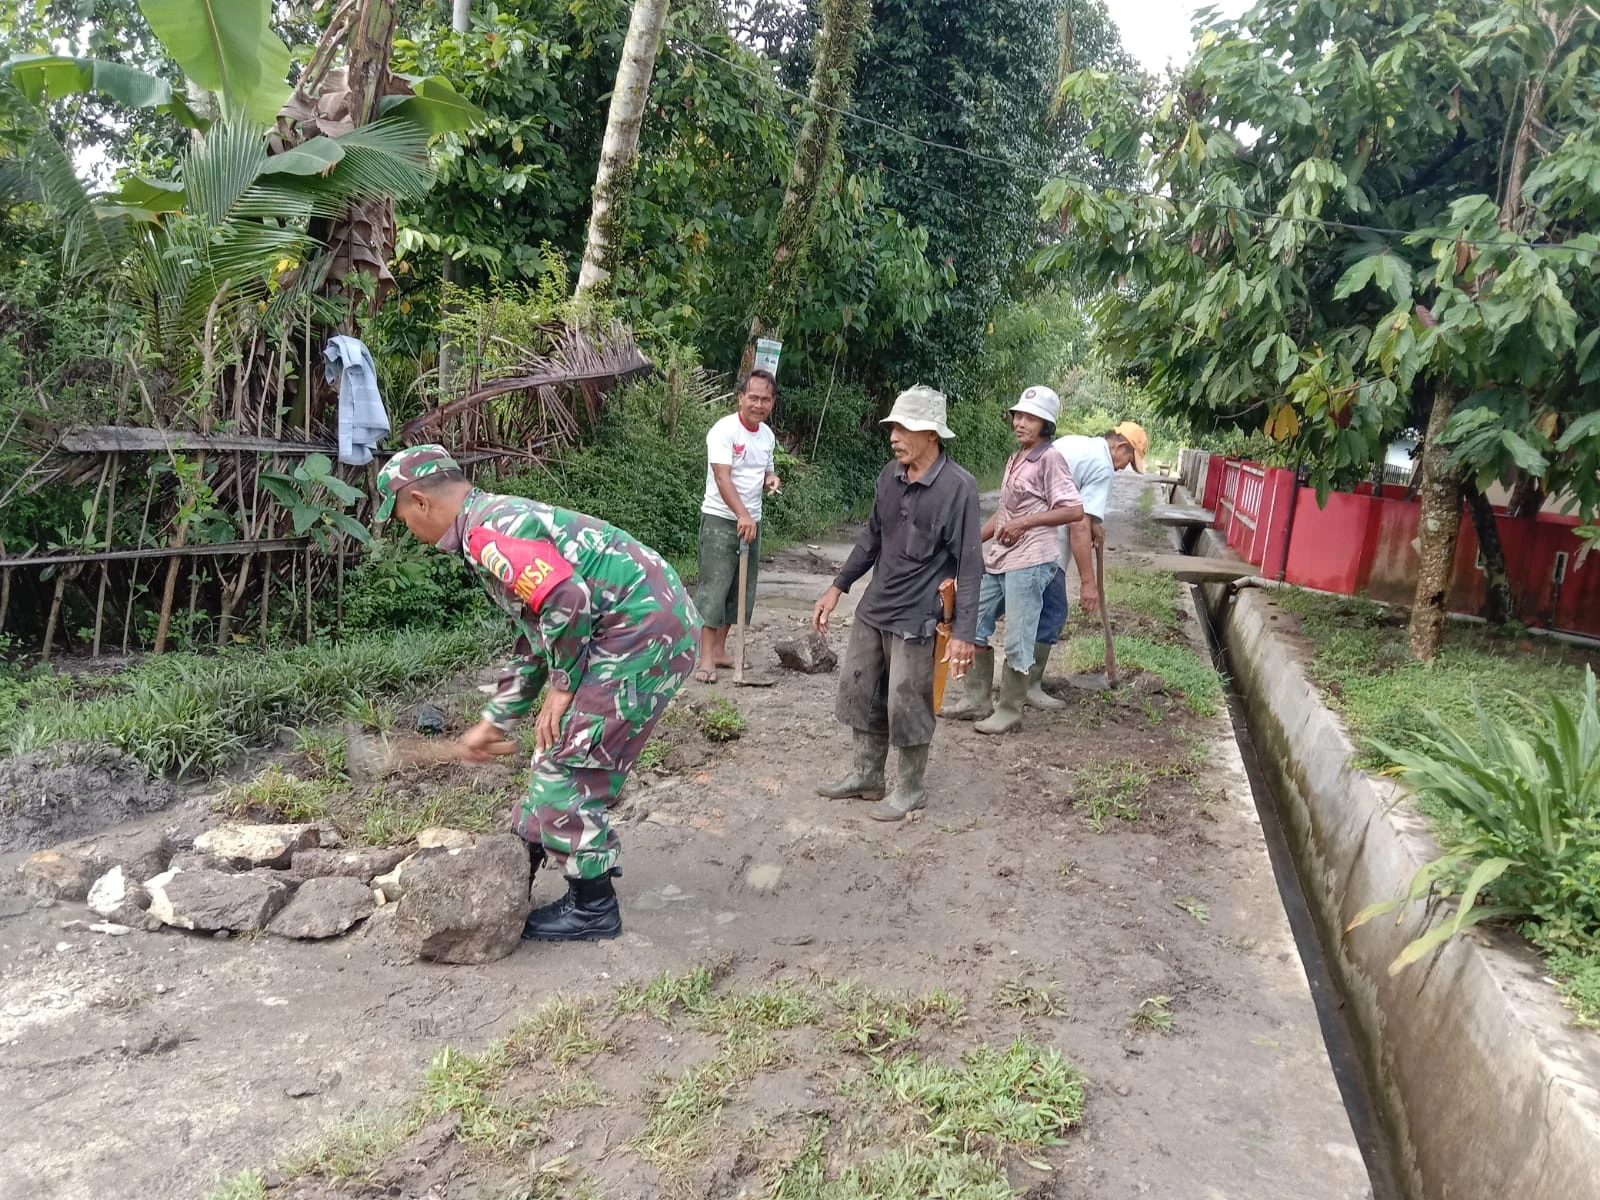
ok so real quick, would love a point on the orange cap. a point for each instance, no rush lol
(1138, 439)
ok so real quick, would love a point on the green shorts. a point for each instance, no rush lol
(717, 593)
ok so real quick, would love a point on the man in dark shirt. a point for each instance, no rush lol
(924, 529)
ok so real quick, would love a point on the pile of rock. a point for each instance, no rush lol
(455, 898)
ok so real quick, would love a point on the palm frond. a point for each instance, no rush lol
(221, 169)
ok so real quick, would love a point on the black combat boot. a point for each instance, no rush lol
(588, 912)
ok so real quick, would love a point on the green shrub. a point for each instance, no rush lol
(1527, 803)
(402, 583)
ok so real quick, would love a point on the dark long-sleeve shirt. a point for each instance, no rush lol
(919, 535)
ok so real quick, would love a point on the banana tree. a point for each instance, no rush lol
(271, 183)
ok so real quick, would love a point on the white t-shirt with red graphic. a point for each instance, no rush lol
(751, 455)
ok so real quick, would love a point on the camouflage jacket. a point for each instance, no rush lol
(591, 602)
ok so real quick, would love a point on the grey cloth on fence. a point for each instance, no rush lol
(363, 421)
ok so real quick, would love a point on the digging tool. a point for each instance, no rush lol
(941, 641)
(1105, 614)
(739, 678)
(369, 756)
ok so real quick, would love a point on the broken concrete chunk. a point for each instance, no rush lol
(363, 862)
(213, 900)
(324, 907)
(810, 654)
(465, 905)
(257, 845)
(117, 898)
(450, 839)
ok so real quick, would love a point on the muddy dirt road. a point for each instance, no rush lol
(155, 1065)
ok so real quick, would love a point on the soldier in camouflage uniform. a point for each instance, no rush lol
(613, 635)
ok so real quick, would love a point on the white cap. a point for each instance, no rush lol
(1039, 402)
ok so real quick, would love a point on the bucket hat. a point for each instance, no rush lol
(920, 409)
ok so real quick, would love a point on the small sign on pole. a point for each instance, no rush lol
(767, 353)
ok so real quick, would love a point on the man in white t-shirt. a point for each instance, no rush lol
(741, 461)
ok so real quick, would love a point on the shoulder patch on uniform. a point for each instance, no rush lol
(530, 570)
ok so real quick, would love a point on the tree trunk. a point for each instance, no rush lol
(1438, 525)
(1499, 605)
(613, 182)
(460, 22)
(832, 78)
(1527, 497)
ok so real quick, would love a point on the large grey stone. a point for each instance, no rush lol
(810, 654)
(324, 907)
(361, 862)
(465, 905)
(257, 845)
(141, 853)
(214, 900)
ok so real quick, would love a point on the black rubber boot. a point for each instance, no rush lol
(587, 913)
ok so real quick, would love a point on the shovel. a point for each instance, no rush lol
(372, 757)
(1098, 683)
(739, 680)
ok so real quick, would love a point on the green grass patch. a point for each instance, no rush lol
(1577, 979)
(667, 994)
(908, 1173)
(1181, 669)
(388, 815)
(194, 714)
(1154, 1015)
(1024, 1095)
(1365, 672)
(723, 722)
(1153, 594)
(246, 1185)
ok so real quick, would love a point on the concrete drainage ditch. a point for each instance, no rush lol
(1462, 1077)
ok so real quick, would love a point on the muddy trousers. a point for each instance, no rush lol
(604, 732)
(886, 685)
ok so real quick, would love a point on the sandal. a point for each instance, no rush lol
(705, 675)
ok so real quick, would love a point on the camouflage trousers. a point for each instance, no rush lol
(578, 779)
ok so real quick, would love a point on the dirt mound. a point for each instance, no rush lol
(65, 791)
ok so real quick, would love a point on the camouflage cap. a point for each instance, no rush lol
(408, 466)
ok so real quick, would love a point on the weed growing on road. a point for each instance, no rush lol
(558, 1031)
(471, 1086)
(687, 993)
(1180, 668)
(1154, 1015)
(654, 753)
(1031, 1001)
(1105, 790)
(1023, 1095)
(874, 1023)
(1194, 908)
(909, 1173)
(1153, 594)
(722, 721)
(246, 1185)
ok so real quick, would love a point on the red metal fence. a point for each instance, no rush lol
(1365, 543)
